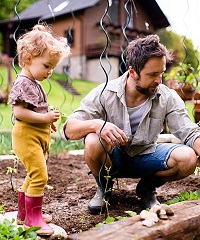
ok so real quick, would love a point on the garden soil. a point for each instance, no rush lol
(70, 188)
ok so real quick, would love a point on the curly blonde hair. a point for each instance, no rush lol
(38, 40)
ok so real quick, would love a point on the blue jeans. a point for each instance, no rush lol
(141, 166)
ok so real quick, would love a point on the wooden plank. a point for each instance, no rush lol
(183, 225)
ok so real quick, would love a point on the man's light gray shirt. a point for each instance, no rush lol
(165, 104)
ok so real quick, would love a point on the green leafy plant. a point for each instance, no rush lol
(9, 231)
(184, 79)
(185, 196)
(182, 75)
(114, 219)
(11, 170)
(107, 189)
(2, 209)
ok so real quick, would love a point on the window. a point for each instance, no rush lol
(114, 12)
(69, 34)
(130, 22)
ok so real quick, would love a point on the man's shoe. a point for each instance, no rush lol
(147, 193)
(97, 203)
(149, 201)
(102, 196)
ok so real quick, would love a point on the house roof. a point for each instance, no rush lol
(45, 10)
(155, 13)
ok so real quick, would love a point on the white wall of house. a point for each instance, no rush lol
(76, 65)
(91, 69)
(96, 73)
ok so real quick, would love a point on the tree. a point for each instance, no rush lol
(183, 47)
(8, 7)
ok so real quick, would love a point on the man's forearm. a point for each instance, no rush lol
(76, 129)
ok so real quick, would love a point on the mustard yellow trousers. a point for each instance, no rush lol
(30, 144)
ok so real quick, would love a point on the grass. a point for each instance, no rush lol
(57, 96)
(5, 143)
(57, 145)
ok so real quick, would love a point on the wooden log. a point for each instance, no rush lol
(183, 225)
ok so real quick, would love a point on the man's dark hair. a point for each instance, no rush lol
(140, 50)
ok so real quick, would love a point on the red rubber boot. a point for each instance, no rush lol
(33, 208)
(21, 210)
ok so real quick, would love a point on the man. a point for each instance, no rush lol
(120, 124)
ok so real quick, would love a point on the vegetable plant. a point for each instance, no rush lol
(9, 231)
(185, 196)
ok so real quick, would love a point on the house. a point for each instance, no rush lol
(95, 29)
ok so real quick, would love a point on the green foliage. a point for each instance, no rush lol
(61, 145)
(57, 96)
(11, 170)
(8, 7)
(183, 73)
(131, 213)
(2, 209)
(182, 47)
(114, 219)
(5, 143)
(57, 145)
(184, 196)
(9, 231)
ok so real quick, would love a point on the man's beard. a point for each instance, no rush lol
(144, 91)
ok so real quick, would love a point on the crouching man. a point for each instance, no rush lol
(121, 123)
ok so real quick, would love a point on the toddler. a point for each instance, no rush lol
(39, 51)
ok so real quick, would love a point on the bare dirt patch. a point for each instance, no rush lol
(70, 189)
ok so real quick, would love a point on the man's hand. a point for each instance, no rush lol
(113, 135)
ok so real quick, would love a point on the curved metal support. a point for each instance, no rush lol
(15, 32)
(124, 44)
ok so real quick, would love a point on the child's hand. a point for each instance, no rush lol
(52, 116)
(63, 116)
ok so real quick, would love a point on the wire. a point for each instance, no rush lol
(125, 42)
(14, 34)
(101, 94)
(50, 9)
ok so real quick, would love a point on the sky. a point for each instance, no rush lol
(184, 18)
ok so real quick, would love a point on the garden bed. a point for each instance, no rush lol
(70, 188)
